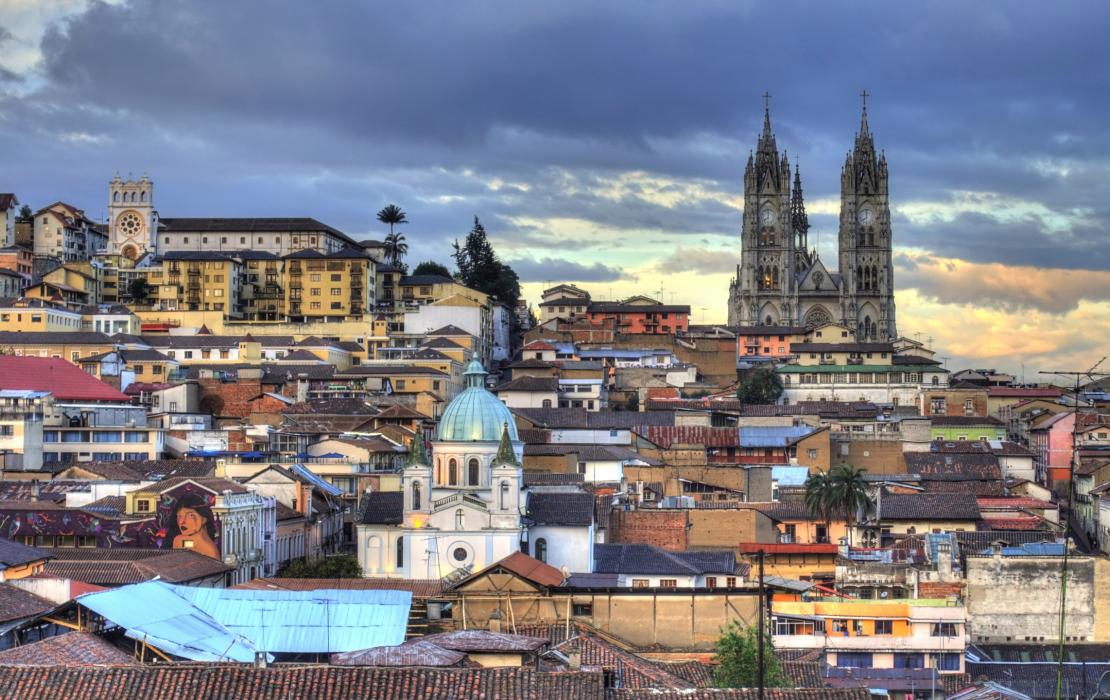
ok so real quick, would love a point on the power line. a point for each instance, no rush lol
(1089, 374)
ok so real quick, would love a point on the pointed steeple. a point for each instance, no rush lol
(767, 164)
(505, 453)
(798, 217)
(418, 456)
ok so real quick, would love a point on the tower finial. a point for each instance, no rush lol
(505, 453)
(863, 130)
(418, 456)
(766, 113)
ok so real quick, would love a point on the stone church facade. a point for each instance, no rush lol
(781, 281)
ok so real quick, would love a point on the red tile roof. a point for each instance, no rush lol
(667, 435)
(71, 649)
(304, 682)
(1014, 502)
(538, 345)
(66, 381)
(532, 569)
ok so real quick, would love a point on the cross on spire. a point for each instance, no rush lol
(766, 100)
(865, 94)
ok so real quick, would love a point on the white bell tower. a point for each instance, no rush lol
(132, 221)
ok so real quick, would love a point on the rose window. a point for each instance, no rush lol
(130, 224)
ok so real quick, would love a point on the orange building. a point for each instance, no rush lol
(640, 315)
(767, 341)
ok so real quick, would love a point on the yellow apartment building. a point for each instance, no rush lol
(911, 633)
(71, 346)
(75, 283)
(337, 286)
(200, 281)
(23, 315)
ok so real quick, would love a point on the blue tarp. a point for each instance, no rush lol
(772, 436)
(318, 481)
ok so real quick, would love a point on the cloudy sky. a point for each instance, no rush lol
(603, 143)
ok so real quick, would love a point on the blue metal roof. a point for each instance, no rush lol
(307, 622)
(214, 624)
(1041, 549)
(790, 476)
(317, 481)
(155, 613)
(779, 436)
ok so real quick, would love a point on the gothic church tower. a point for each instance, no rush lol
(764, 288)
(866, 265)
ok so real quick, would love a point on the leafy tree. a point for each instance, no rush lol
(431, 267)
(140, 289)
(25, 212)
(396, 248)
(738, 659)
(480, 269)
(760, 386)
(338, 566)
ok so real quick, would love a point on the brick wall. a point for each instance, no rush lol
(663, 528)
(228, 399)
(939, 589)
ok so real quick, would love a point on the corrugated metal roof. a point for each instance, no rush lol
(780, 436)
(213, 624)
(155, 613)
(790, 476)
(321, 621)
(317, 481)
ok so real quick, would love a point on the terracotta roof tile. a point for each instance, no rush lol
(70, 649)
(66, 381)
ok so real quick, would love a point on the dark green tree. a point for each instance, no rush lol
(431, 267)
(337, 566)
(392, 215)
(396, 248)
(760, 386)
(818, 498)
(25, 213)
(139, 289)
(738, 658)
(480, 269)
(849, 493)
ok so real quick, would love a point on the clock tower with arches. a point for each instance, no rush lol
(132, 220)
(781, 281)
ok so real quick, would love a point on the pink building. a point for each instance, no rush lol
(1052, 443)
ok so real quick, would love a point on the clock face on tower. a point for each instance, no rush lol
(767, 217)
(866, 217)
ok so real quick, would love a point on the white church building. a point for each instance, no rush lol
(464, 507)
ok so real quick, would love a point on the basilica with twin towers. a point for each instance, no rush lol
(781, 280)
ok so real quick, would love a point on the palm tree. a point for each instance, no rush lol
(392, 214)
(817, 498)
(396, 248)
(849, 493)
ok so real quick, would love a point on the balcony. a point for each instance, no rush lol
(835, 641)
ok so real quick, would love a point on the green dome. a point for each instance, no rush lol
(475, 415)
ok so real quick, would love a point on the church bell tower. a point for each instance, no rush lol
(132, 221)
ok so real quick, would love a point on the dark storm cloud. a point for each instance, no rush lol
(559, 270)
(333, 108)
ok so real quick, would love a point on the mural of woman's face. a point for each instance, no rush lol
(189, 522)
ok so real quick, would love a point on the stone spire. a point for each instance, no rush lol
(505, 453)
(798, 217)
(767, 170)
(418, 456)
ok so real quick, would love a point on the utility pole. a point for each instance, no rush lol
(1089, 374)
(762, 598)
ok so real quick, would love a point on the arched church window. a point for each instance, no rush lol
(767, 321)
(115, 196)
(541, 549)
(459, 521)
(775, 278)
(374, 553)
(142, 196)
(400, 551)
(504, 495)
(472, 467)
(936, 380)
(133, 195)
(453, 472)
(416, 495)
